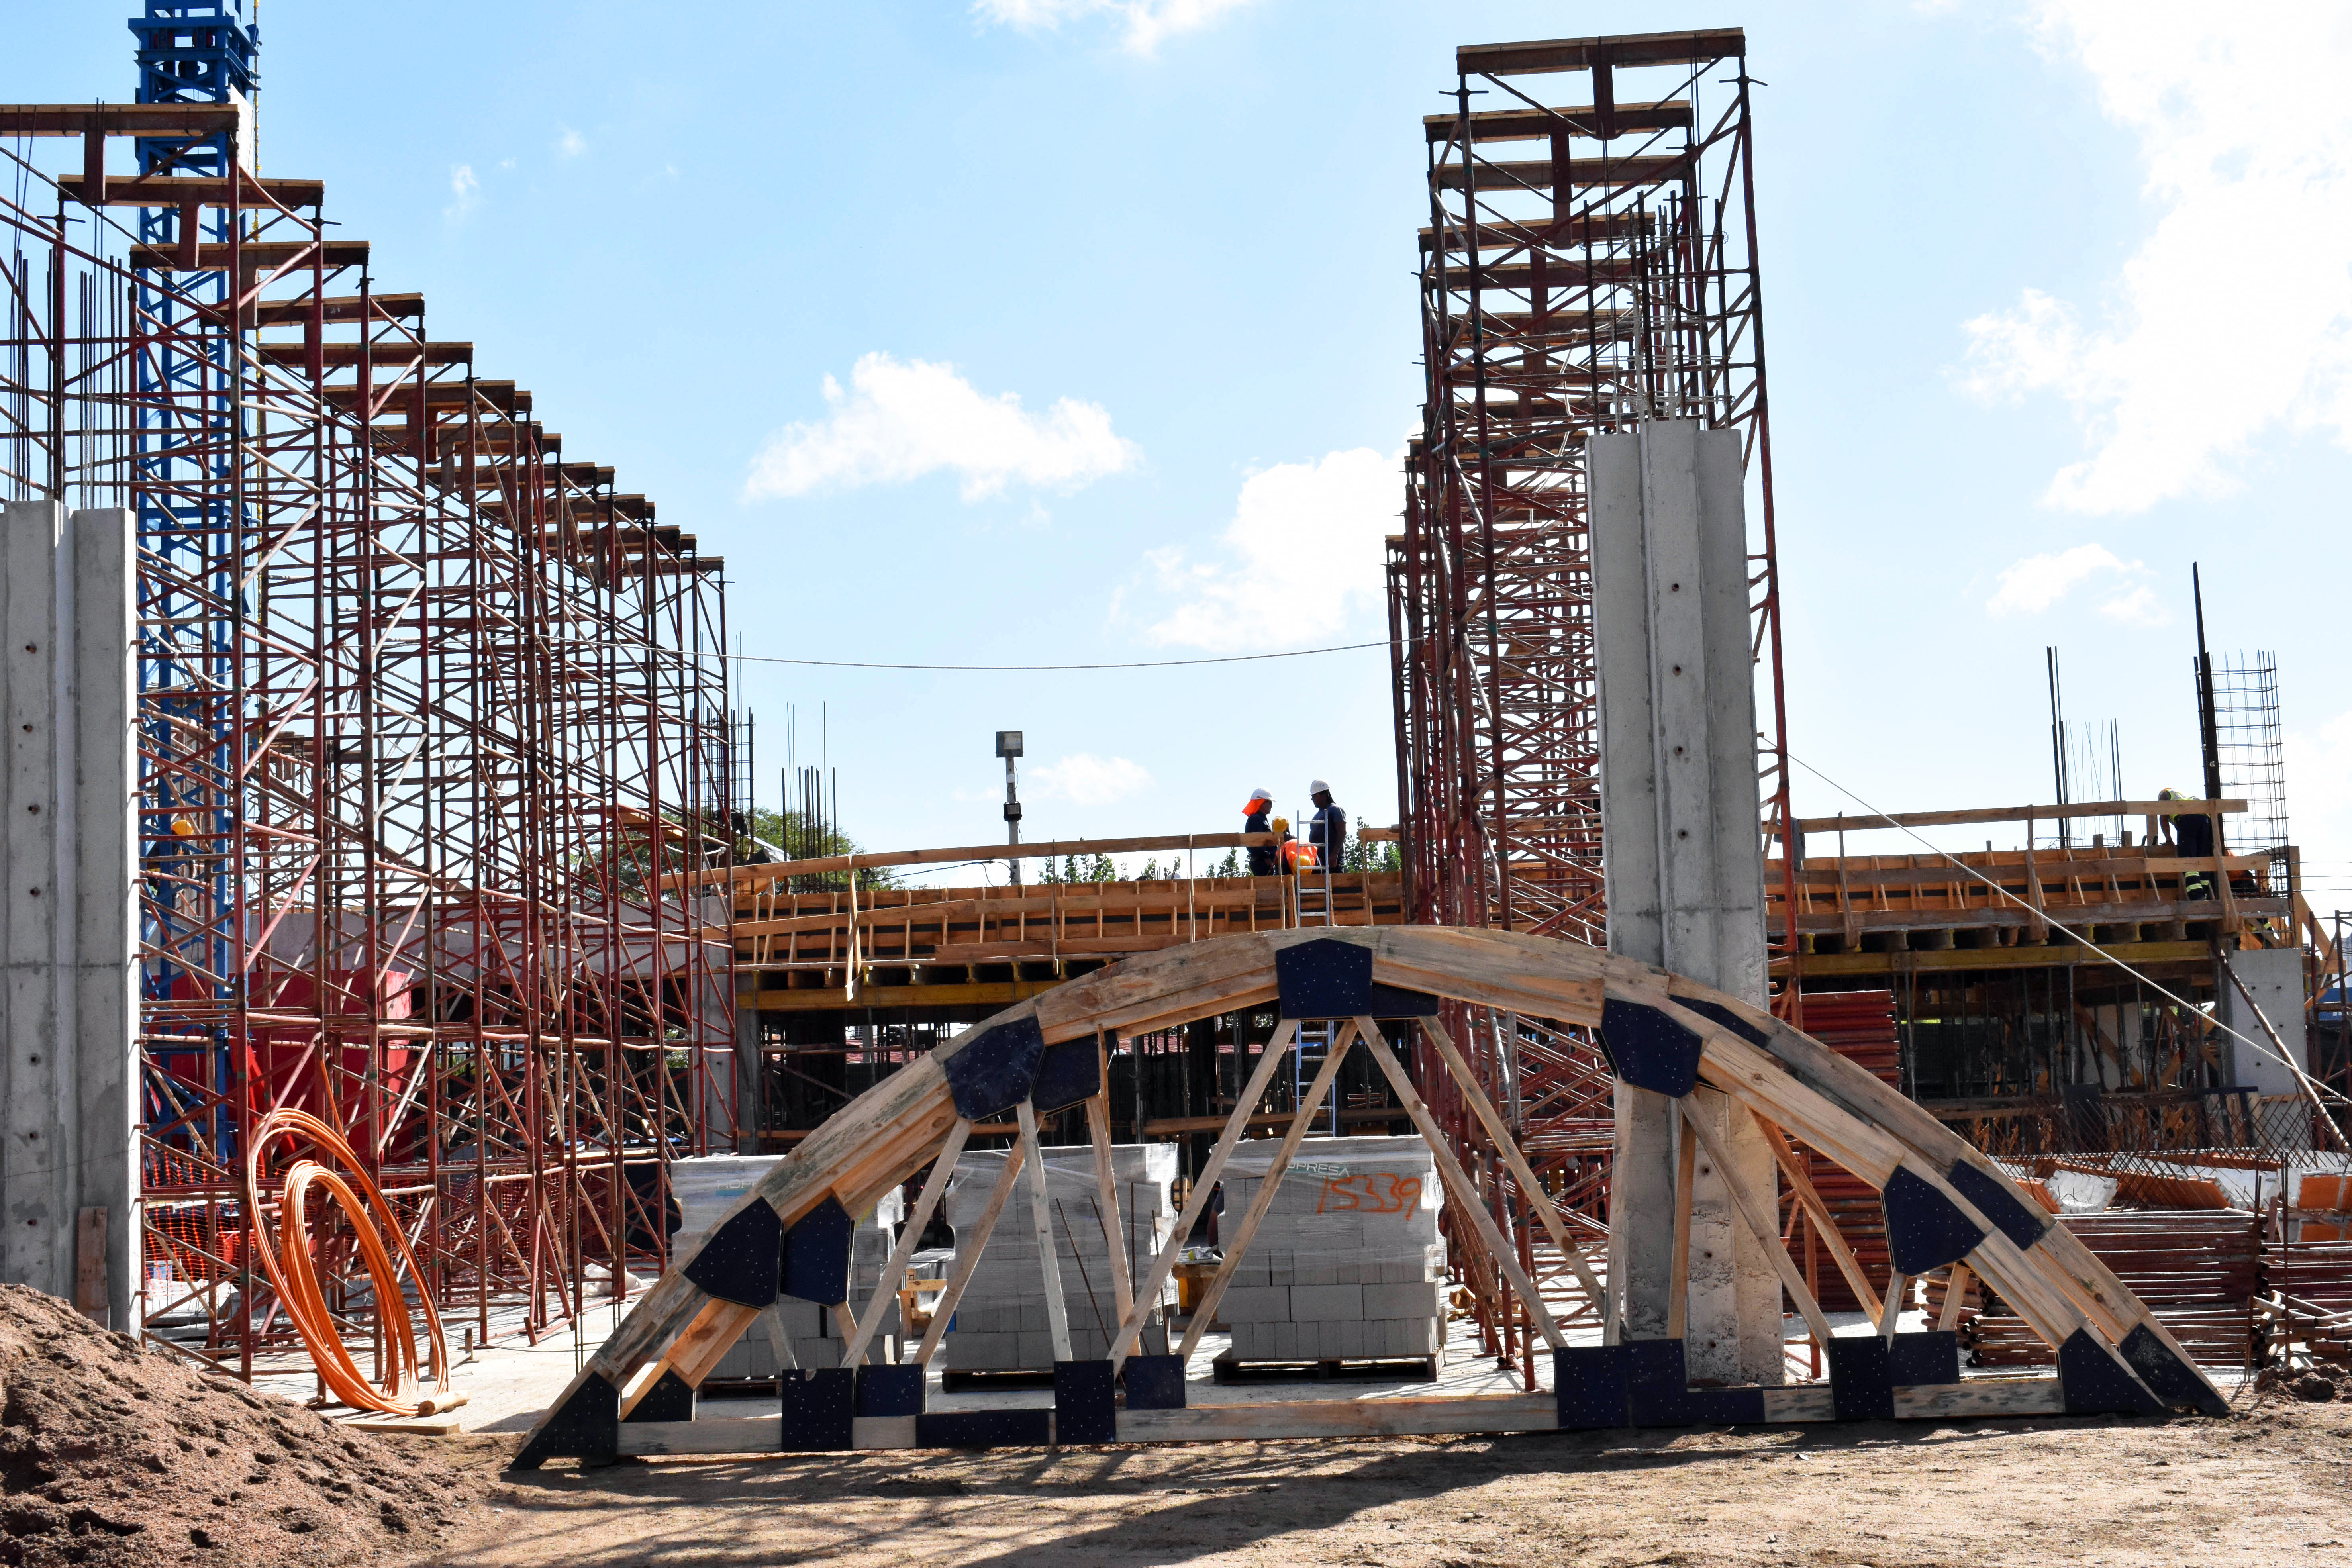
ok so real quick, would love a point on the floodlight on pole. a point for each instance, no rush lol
(1008, 746)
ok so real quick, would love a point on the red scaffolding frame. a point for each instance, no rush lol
(426, 714)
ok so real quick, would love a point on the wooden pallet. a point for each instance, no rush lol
(1384, 1369)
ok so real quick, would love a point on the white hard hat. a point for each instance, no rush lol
(1318, 787)
(1261, 793)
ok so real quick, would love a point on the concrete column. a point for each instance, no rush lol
(1683, 855)
(2273, 975)
(748, 1073)
(69, 918)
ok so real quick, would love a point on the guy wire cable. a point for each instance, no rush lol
(2319, 1092)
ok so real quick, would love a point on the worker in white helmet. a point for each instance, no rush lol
(1327, 832)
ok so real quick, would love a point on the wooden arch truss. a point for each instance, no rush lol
(1946, 1204)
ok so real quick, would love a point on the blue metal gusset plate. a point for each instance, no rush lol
(1589, 1382)
(1728, 1019)
(586, 1427)
(1648, 1050)
(738, 1261)
(1923, 1231)
(890, 1391)
(816, 1255)
(1155, 1382)
(2175, 1382)
(1925, 1360)
(817, 1405)
(2094, 1385)
(1396, 1002)
(1085, 1411)
(1861, 1383)
(1657, 1383)
(1993, 1200)
(984, 1430)
(1066, 1074)
(1324, 979)
(671, 1398)
(1725, 1406)
(994, 1070)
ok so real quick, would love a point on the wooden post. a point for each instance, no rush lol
(1049, 1262)
(968, 1250)
(1678, 1291)
(911, 1235)
(1890, 1316)
(1106, 1196)
(1512, 1156)
(1822, 1225)
(1234, 1246)
(1459, 1186)
(1196, 1201)
(1759, 1221)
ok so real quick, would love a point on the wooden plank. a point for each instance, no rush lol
(1204, 1312)
(1686, 1185)
(1489, 1118)
(727, 1434)
(1341, 1418)
(968, 1251)
(1123, 1283)
(1761, 1222)
(882, 1431)
(1956, 1295)
(910, 1236)
(1792, 1170)
(1800, 1401)
(2021, 814)
(1890, 1314)
(1459, 1186)
(1049, 1257)
(823, 865)
(1979, 1396)
(1197, 1202)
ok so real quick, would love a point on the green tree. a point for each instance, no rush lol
(1104, 870)
(793, 832)
(1230, 866)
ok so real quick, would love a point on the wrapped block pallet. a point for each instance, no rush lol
(707, 1188)
(1347, 1263)
(1001, 1325)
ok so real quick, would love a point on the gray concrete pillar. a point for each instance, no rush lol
(2273, 977)
(69, 915)
(1683, 856)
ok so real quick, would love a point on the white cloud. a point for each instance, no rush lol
(1084, 779)
(2234, 317)
(464, 192)
(570, 144)
(1305, 547)
(900, 420)
(1148, 21)
(2036, 582)
(2319, 806)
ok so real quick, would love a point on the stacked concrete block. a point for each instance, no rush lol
(706, 1188)
(1001, 1323)
(1348, 1263)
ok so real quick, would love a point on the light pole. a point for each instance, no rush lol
(1008, 746)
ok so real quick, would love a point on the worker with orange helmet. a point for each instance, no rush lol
(1261, 857)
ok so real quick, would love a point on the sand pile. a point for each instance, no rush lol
(114, 1455)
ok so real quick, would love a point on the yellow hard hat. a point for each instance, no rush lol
(183, 827)
(1282, 824)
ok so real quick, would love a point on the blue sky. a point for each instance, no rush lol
(1058, 330)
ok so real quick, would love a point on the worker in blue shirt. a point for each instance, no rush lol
(1329, 830)
(1261, 857)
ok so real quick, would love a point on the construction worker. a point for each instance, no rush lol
(1295, 856)
(2192, 833)
(1328, 831)
(1261, 857)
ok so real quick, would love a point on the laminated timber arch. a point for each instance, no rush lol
(1946, 1204)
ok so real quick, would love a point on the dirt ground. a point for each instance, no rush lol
(116, 1457)
(2271, 1487)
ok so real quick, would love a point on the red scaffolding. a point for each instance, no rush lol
(1584, 267)
(425, 714)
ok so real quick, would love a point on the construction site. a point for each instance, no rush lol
(458, 1113)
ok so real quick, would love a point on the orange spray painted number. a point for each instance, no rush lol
(1370, 1191)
